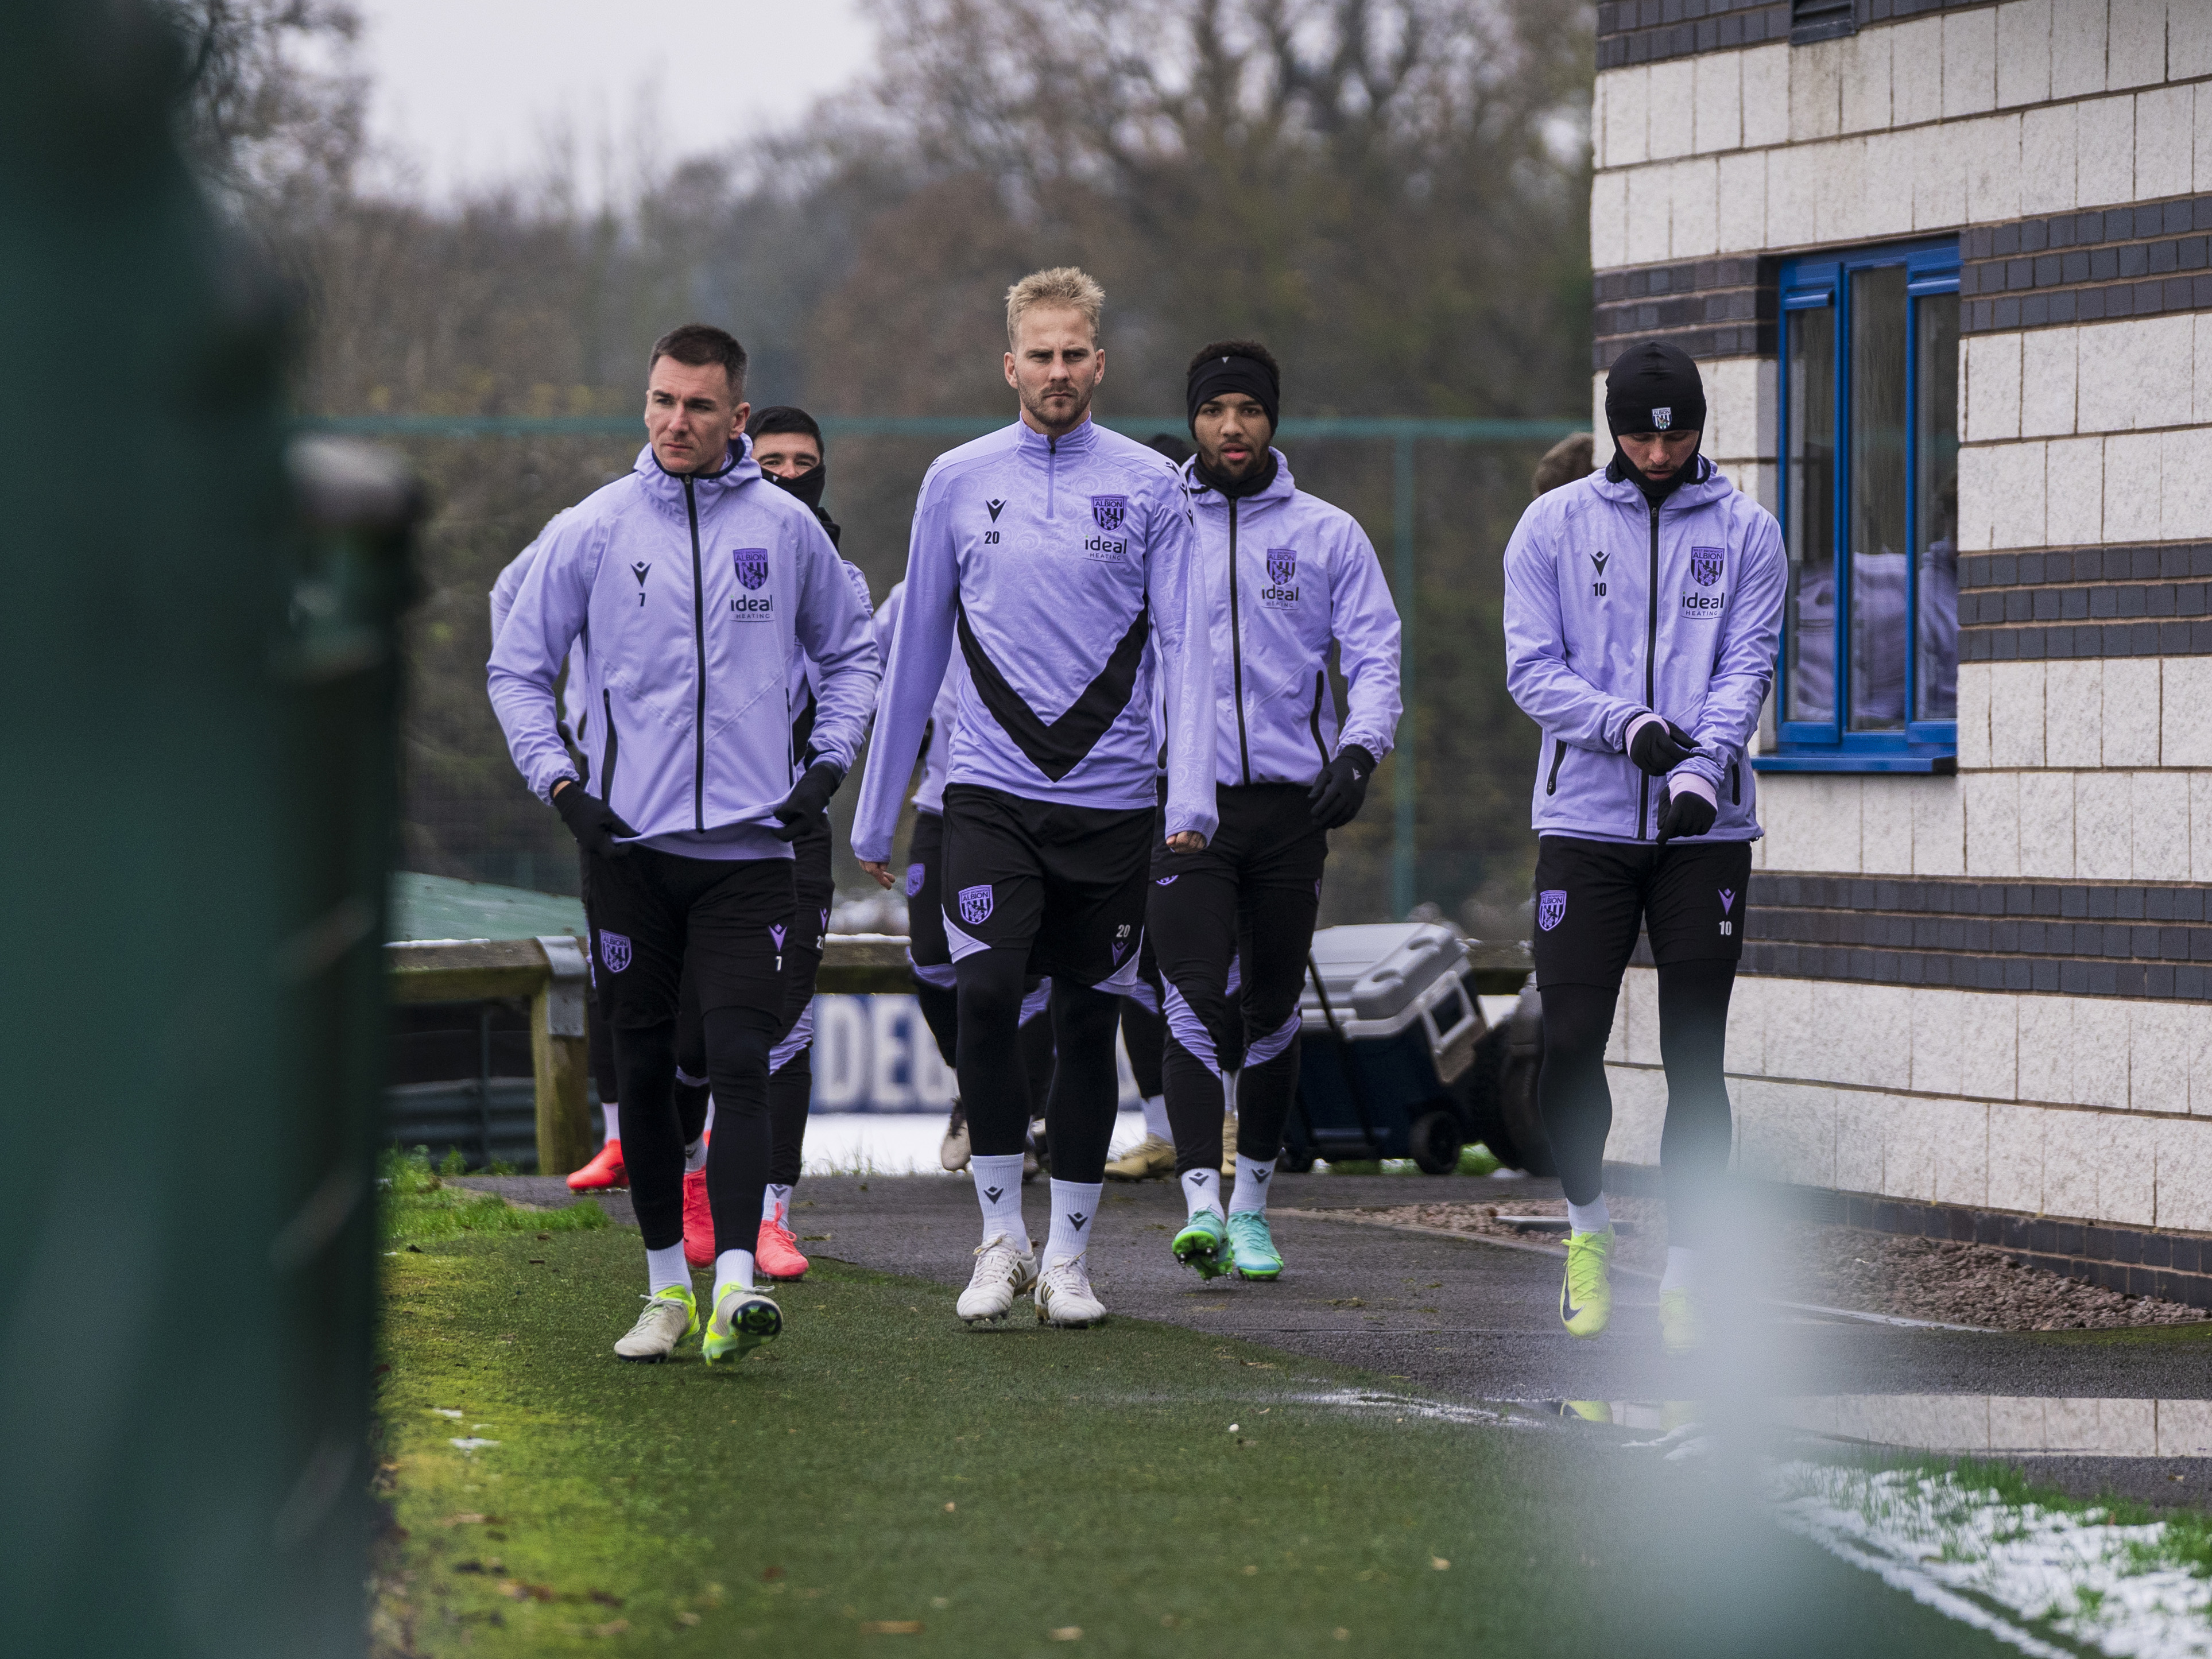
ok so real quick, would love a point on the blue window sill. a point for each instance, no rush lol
(1939, 760)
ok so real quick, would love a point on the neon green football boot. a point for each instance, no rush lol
(1204, 1244)
(743, 1319)
(1252, 1247)
(1681, 1321)
(1586, 1295)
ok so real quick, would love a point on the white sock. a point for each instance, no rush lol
(733, 1267)
(667, 1270)
(1590, 1218)
(1681, 1268)
(1201, 1190)
(1252, 1179)
(1156, 1117)
(695, 1156)
(999, 1190)
(775, 1203)
(707, 1127)
(1074, 1207)
(613, 1121)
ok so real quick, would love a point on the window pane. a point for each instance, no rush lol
(1878, 500)
(1810, 638)
(1936, 520)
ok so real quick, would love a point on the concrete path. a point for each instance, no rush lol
(1478, 1321)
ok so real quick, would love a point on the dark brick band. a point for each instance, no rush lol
(2087, 602)
(1709, 308)
(2147, 261)
(1651, 31)
(2064, 938)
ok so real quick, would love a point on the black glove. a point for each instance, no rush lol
(1339, 792)
(1660, 746)
(1685, 814)
(590, 821)
(808, 800)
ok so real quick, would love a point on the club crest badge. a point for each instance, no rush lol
(975, 905)
(752, 567)
(1282, 564)
(1551, 908)
(914, 874)
(1705, 564)
(614, 951)
(1662, 418)
(1109, 512)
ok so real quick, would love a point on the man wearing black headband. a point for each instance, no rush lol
(1642, 607)
(786, 445)
(1291, 575)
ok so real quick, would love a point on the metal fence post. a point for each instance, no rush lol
(560, 1058)
(1404, 779)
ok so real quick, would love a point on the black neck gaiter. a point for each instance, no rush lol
(1236, 489)
(808, 487)
(1656, 490)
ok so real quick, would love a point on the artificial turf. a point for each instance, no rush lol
(884, 1475)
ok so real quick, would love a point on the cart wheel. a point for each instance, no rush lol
(1435, 1143)
(1298, 1160)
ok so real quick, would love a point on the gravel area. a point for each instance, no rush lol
(1842, 1267)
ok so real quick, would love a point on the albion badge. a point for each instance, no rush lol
(614, 951)
(1706, 565)
(1282, 564)
(752, 566)
(1109, 512)
(1551, 908)
(975, 905)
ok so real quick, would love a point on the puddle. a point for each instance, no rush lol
(1965, 1424)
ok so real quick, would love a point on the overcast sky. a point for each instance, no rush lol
(465, 91)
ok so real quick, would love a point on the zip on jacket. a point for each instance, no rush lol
(1237, 658)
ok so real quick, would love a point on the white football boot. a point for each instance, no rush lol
(1063, 1296)
(1002, 1271)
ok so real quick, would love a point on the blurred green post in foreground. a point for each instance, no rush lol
(197, 660)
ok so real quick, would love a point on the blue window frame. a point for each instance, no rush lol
(1868, 678)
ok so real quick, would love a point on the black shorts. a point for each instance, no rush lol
(651, 913)
(1064, 885)
(1591, 896)
(925, 892)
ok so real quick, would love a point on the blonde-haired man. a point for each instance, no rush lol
(1060, 555)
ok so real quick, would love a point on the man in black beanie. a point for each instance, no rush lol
(1642, 608)
(1288, 576)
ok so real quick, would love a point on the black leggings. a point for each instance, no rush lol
(737, 1040)
(1578, 1106)
(995, 1083)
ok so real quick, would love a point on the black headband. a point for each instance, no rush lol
(1218, 376)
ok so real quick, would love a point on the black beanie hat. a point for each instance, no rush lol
(1654, 387)
(1213, 377)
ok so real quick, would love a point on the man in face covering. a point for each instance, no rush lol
(786, 445)
(1641, 606)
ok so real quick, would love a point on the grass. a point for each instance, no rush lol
(419, 1207)
(884, 1475)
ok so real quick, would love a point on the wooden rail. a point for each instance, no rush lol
(550, 973)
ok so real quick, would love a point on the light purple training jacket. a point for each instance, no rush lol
(943, 714)
(1063, 565)
(1613, 610)
(1287, 574)
(688, 594)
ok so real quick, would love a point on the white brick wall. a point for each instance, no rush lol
(2134, 824)
(2094, 1108)
(2036, 106)
(2087, 436)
